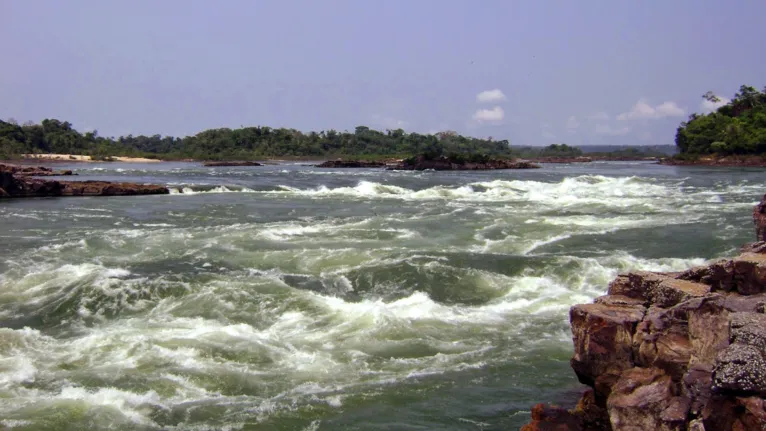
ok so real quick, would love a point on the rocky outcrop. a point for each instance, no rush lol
(33, 171)
(672, 351)
(561, 159)
(447, 164)
(759, 218)
(241, 163)
(16, 185)
(350, 164)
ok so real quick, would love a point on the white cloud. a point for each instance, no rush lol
(388, 122)
(707, 106)
(572, 124)
(493, 115)
(491, 96)
(605, 129)
(643, 110)
(598, 116)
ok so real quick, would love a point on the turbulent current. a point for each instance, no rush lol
(287, 297)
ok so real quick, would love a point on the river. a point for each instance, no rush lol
(287, 297)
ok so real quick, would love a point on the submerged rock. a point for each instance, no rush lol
(33, 171)
(673, 351)
(350, 164)
(233, 163)
(16, 185)
(447, 164)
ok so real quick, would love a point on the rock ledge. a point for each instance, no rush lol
(673, 351)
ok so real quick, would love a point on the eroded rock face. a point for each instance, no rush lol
(674, 351)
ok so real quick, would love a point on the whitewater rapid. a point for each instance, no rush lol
(280, 301)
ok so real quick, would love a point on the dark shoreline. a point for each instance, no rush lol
(730, 161)
(22, 181)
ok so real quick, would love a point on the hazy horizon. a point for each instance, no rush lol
(590, 73)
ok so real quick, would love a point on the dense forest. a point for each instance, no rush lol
(249, 143)
(738, 127)
(54, 136)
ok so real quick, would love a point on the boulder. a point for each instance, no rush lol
(740, 369)
(602, 336)
(750, 273)
(553, 418)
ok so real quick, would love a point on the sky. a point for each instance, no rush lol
(534, 72)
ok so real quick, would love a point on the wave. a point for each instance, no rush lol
(213, 189)
(291, 347)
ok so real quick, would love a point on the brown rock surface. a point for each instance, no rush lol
(673, 351)
(19, 185)
(759, 219)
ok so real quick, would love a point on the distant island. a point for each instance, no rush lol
(248, 144)
(733, 134)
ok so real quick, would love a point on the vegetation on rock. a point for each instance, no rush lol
(736, 128)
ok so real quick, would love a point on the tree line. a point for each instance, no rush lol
(55, 136)
(737, 127)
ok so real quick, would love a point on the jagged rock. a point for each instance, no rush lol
(740, 369)
(618, 300)
(734, 413)
(735, 302)
(643, 399)
(759, 219)
(659, 341)
(749, 328)
(719, 275)
(754, 247)
(697, 386)
(553, 418)
(750, 273)
(671, 291)
(602, 335)
(676, 351)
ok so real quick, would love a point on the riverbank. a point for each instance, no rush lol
(673, 350)
(727, 161)
(39, 158)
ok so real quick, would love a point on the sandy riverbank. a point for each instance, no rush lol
(81, 158)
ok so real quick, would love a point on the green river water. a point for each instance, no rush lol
(287, 297)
